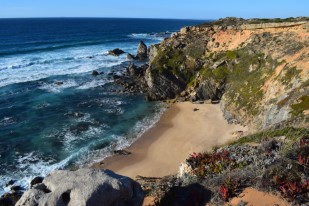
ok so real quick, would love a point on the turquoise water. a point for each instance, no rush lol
(45, 126)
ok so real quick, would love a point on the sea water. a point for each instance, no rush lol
(53, 113)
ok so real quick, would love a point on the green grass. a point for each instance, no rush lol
(244, 86)
(290, 133)
(289, 74)
(299, 108)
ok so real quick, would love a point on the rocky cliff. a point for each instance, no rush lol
(258, 69)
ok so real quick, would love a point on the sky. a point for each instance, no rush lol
(178, 9)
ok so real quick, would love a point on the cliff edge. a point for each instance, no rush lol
(258, 69)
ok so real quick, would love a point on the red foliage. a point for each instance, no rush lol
(292, 188)
(229, 188)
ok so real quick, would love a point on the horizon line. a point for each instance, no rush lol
(105, 18)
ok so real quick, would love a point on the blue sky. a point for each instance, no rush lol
(184, 9)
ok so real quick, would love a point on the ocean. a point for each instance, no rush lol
(53, 113)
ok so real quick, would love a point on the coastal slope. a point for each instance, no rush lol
(258, 68)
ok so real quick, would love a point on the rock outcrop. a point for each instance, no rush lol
(162, 86)
(142, 51)
(115, 52)
(258, 68)
(84, 187)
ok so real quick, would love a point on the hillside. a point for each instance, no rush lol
(258, 69)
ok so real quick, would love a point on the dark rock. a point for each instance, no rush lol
(16, 188)
(209, 89)
(6, 201)
(58, 83)
(130, 57)
(163, 86)
(269, 146)
(142, 51)
(132, 70)
(115, 52)
(11, 182)
(80, 127)
(10, 199)
(95, 73)
(122, 152)
(195, 109)
(116, 76)
(36, 180)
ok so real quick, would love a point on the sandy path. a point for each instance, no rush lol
(180, 132)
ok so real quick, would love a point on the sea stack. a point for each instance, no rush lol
(142, 51)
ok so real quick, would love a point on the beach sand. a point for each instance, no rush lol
(253, 197)
(180, 132)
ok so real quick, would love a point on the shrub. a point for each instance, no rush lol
(299, 108)
(210, 163)
(229, 188)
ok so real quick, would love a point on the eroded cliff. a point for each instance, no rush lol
(258, 69)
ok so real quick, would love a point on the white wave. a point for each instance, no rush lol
(42, 105)
(7, 121)
(23, 68)
(122, 142)
(32, 164)
(94, 83)
(56, 88)
(151, 36)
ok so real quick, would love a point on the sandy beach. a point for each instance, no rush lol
(180, 132)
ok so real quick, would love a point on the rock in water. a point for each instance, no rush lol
(115, 52)
(95, 73)
(141, 51)
(84, 187)
(36, 180)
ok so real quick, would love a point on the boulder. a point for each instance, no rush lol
(142, 52)
(85, 187)
(95, 73)
(115, 52)
(36, 180)
(58, 83)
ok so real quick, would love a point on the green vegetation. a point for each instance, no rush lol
(171, 61)
(196, 49)
(231, 55)
(306, 83)
(235, 21)
(244, 78)
(275, 20)
(288, 75)
(229, 188)
(290, 133)
(244, 72)
(244, 84)
(299, 108)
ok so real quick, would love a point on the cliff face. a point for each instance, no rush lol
(259, 69)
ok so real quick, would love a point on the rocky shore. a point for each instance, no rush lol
(257, 71)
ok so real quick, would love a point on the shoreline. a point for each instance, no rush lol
(179, 132)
